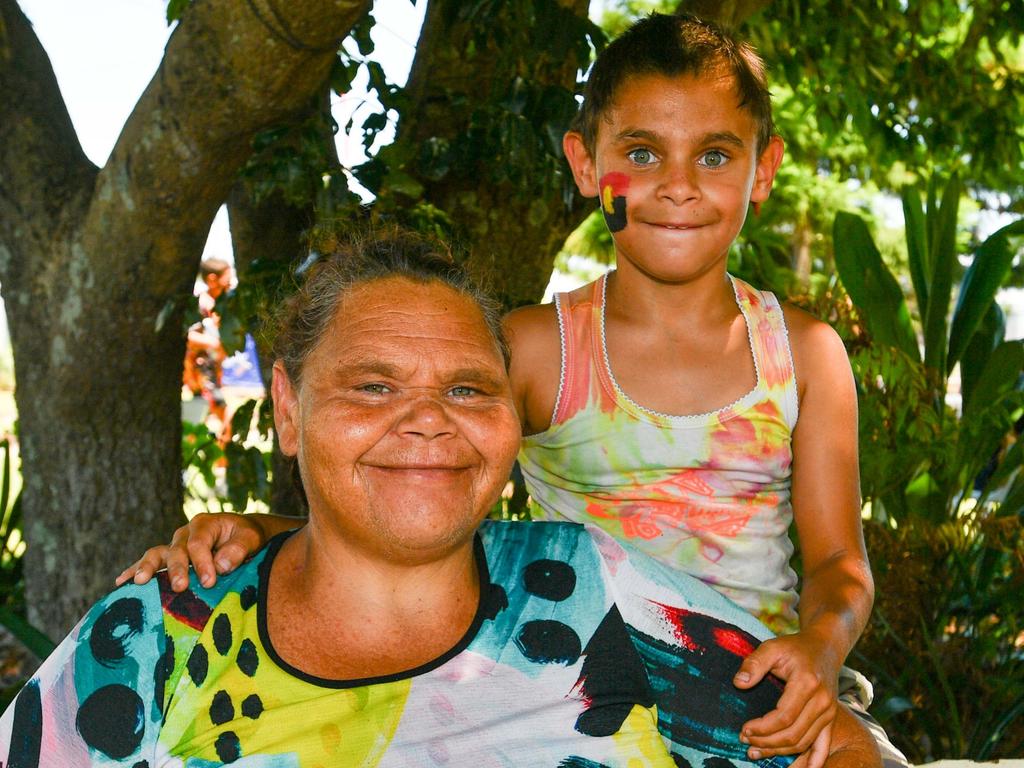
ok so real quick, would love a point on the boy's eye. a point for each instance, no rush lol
(641, 156)
(713, 159)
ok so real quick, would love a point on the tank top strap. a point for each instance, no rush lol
(577, 312)
(769, 344)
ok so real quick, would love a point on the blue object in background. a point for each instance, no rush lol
(242, 369)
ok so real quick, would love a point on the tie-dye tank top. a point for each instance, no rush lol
(708, 494)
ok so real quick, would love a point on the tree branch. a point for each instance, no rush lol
(231, 68)
(42, 165)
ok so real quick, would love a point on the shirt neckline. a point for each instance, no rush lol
(689, 419)
(273, 549)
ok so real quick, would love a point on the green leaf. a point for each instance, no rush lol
(871, 286)
(987, 337)
(992, 261)
(917, 245)
(175, 8)
(943, 259)
(31, 638)
(1000, 376)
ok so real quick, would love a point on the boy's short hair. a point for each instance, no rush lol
(681, 44)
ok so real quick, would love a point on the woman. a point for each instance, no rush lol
(396, 627)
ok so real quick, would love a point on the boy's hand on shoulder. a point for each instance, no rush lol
(213, 543)
(802, 719)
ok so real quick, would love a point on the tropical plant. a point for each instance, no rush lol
(941, 481)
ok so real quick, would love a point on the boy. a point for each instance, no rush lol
(660, 403)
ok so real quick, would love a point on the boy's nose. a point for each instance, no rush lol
(679, 184)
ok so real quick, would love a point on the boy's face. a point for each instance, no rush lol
(675, 165)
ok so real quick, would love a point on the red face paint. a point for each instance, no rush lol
(613, 200)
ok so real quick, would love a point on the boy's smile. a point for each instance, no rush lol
(675, 165)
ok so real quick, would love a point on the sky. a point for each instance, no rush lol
(104, 55)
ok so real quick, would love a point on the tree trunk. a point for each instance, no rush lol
(267, 232)
(96, 268)
(512, 235)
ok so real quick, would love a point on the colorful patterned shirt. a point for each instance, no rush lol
(582, 654)
(707, 494)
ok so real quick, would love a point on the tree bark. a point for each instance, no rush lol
(512, 236)
(267, 232)
(96, 267)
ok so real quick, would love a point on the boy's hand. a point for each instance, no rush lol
(802, 719)
(215, 544)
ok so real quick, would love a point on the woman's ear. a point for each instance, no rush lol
(584, 170)
(286, 411)
(767, 166)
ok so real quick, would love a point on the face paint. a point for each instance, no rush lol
(613, 200)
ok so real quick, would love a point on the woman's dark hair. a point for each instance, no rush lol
(363, 258)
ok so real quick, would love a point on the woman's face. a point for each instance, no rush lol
(403, 424)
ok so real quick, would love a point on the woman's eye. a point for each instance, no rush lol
(641, 156)
(713, 159)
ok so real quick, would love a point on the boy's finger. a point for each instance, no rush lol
(201, 555)
(147, 565)
(818, 752)
(230, 555)
(755, 666)
(798, 738)
(175, 559)
(126, 574)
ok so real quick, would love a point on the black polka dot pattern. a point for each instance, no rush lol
(162, 671)
(221, 709)
(111, 721)
(228, 747)
(549, 642)
(27, 728)
(550, 579)
(222, 634)
(252, 707)
(113, 630)
(494, 602)
(198, 664)
(248, 659)
(247, 597)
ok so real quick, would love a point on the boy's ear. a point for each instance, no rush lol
(584, 170)
(286, 411)
(767, 166)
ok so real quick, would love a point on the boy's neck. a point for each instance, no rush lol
(707, 299)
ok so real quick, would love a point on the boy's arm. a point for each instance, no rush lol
(214, 543)
(535, 370)
(837, 592)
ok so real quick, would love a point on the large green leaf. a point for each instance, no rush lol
(871, 285)
(1001, 375)
(992, 260)
(942, 247)
(988, 335)
(917, 245)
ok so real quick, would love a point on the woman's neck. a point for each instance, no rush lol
(337, 612)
